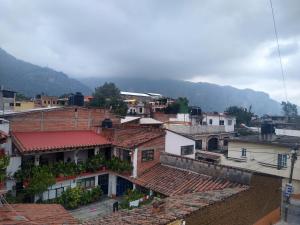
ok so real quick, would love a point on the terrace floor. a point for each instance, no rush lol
(94, 210)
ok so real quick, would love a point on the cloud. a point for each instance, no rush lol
(227, 42)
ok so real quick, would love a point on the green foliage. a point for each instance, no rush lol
(21, 97)
(74, 197)
(181, 105)
(108, 96)
(117, 165)
(71, 198)
(289, 109)
(242, 115)
(4, 162)
(41, 178)
(131, 195)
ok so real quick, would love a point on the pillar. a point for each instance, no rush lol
(112, 185)
(36, 160)
(134, 161)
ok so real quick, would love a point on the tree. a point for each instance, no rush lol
(243, 115)
(108, 96)
(21, 97)
(181, 105)
(289, 109)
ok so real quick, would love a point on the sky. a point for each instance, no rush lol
(228, 42)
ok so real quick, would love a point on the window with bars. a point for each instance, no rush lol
(244, 152)
(282, 161)
(187, 150)
(199, 144)
(147, 155)
(87, 182)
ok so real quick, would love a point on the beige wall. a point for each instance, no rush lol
(261, 153)
(24, 106)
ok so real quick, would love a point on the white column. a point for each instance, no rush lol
(112, 185)
(134, 161)
(76, 156)
(96, 151)
(36, 160)
(96, 180)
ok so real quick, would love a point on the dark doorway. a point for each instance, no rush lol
(103, 183)
(123, 185)
(213, 144)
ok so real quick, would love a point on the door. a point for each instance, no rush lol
(103, 183)
(123, 185)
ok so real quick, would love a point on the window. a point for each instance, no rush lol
(229, 122)
(187, 150)
(18, 104)
(49, 102)
(147, 155)
(225, 142)
(244, 152)
(44, 102)
(221, 122)
(210, 121)
(87, 182)
(282, 161)
(198, 144)
(53, 102)
(141, 110)
(11, 104)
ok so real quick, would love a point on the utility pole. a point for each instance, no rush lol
(289, 185)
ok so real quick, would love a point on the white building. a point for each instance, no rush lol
(219, 119)
(197, 142)
(269, 155)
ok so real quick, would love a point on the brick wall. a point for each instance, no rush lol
(69, 118)
(246, 208)
(158, 145)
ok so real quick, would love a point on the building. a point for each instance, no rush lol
(141, 121)
(23, 105)
(74, 136)
(204, 142)
(140, 97)
(195, 192)
(219, 119)
(7, 99)
(46, 101)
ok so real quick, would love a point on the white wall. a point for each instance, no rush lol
(175, 141)
(216, 120)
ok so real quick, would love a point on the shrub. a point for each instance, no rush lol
(71, 197)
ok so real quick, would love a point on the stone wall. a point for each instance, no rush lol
(228, 173)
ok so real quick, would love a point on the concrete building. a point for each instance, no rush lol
(46, 101)
(198, 193)
(219, 119)
(7, 100)
(197, 142)
(73, 135)
(23, 105)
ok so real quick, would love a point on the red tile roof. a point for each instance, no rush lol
(131, 137)
(28, 142)
(31, 214)
(171, 181)
(172, 208)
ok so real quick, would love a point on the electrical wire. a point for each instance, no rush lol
(278, 50)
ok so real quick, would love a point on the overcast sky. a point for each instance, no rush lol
(228, 42)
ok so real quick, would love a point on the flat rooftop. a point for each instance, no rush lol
(277, 140)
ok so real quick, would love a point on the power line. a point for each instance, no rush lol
(279, 52)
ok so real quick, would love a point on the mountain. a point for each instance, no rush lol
(30, 79)
(210, 97)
